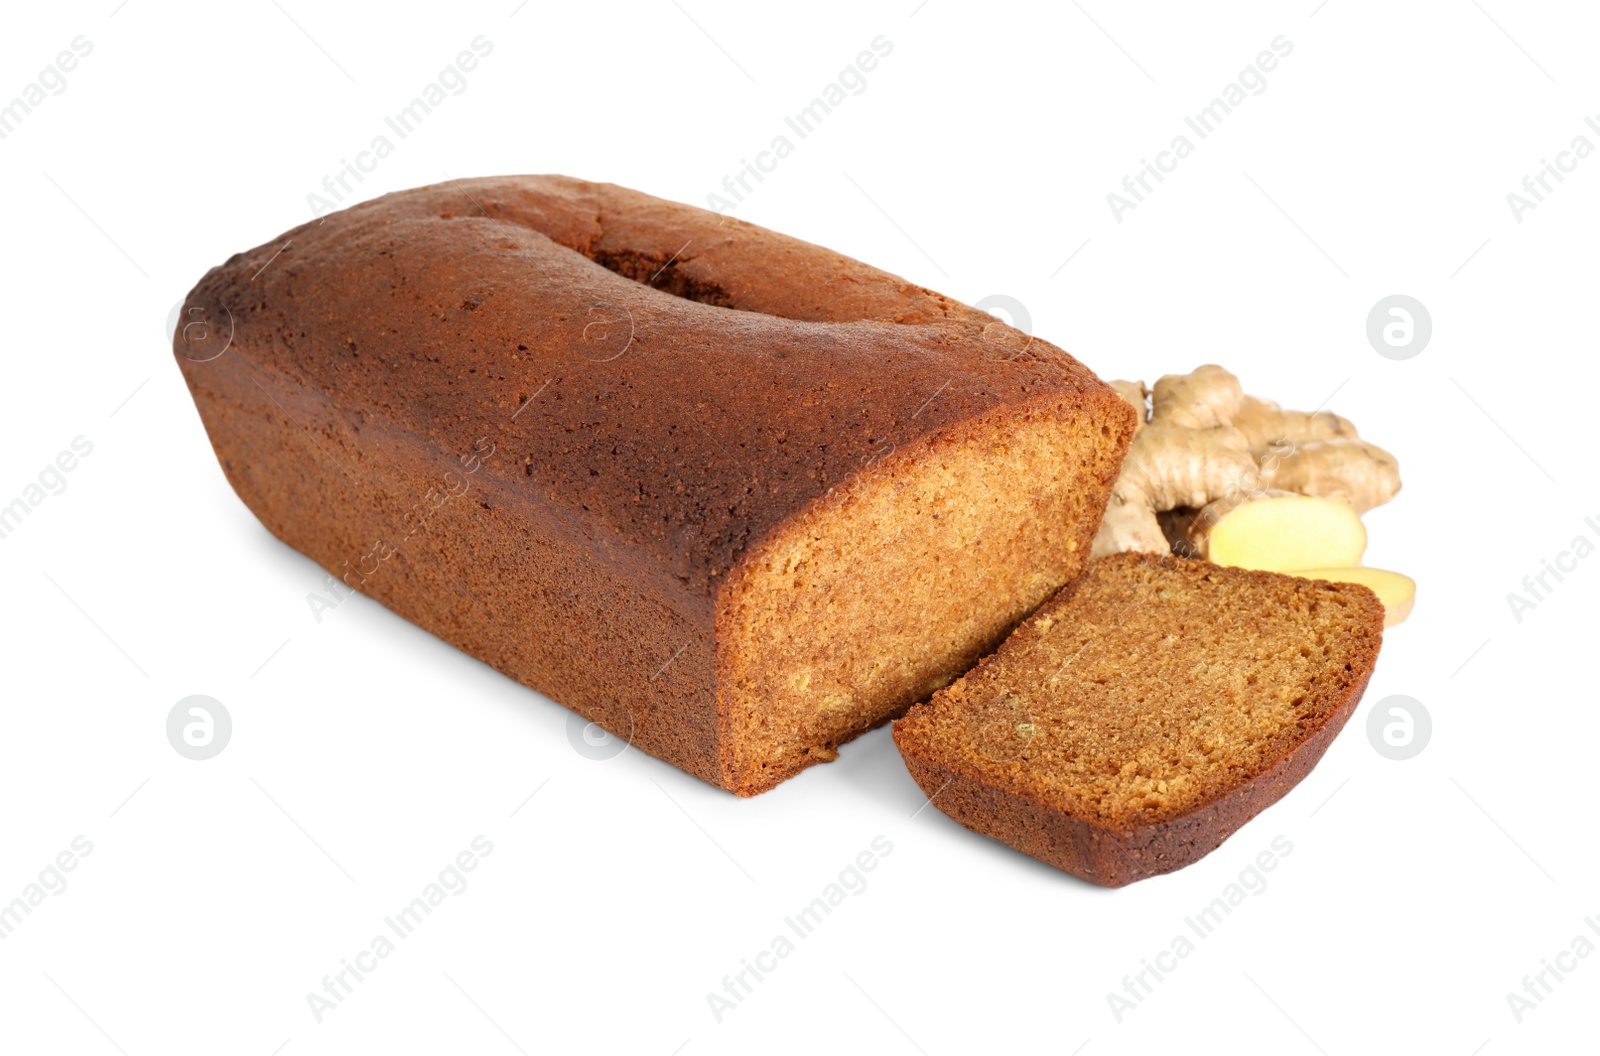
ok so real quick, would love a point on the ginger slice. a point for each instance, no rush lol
(1280, 533)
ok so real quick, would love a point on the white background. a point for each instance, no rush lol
(365, 755)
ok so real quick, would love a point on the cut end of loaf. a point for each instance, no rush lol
(1141, 717)
(905, 577)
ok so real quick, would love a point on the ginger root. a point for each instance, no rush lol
(1205, 442)
(1348, 468)
(1266, 424)
(1189, 467)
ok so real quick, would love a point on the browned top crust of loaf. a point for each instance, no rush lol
(1145, 692)
(587, 329)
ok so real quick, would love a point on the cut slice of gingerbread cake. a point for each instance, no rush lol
(1144, 714)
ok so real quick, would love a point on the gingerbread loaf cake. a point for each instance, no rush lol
(734, 497)
(1138, 719)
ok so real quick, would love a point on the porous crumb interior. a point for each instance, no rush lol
(1151, 690)
(899, 582)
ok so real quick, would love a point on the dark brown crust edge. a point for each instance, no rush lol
(1112, 857)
